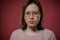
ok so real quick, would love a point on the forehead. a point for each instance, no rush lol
(32, 7)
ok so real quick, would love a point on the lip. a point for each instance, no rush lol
(31, 22)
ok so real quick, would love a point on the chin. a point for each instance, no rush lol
(32, 25)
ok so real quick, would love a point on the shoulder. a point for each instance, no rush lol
(48, 31)
(18, 31)
(16, 34)
(49, 34)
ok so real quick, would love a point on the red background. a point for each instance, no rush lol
(11, 14)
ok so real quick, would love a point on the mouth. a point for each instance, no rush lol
(31, 22)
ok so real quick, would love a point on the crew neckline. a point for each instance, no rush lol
(39, 33)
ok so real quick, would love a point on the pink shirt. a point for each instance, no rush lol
(45, 34)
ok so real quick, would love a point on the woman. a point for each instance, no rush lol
(31, 28)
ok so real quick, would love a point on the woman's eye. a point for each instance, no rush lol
(35, 13)
(27, 13)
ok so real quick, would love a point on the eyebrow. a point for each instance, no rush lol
(32, 11)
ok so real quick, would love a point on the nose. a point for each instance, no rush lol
(31, 17)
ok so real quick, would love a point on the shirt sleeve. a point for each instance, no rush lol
(13, 36)
(52, 36)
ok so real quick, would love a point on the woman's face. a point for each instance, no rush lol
(32, 15)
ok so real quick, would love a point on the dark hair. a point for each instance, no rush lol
(24, 25)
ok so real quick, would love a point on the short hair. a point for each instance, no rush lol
(24, 25)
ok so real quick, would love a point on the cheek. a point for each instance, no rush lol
(37, 19)
(26, 18)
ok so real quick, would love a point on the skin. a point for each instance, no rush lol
(32, 13)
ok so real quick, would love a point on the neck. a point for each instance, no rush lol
(31, 29)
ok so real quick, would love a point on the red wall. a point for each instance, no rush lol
(11, 13)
